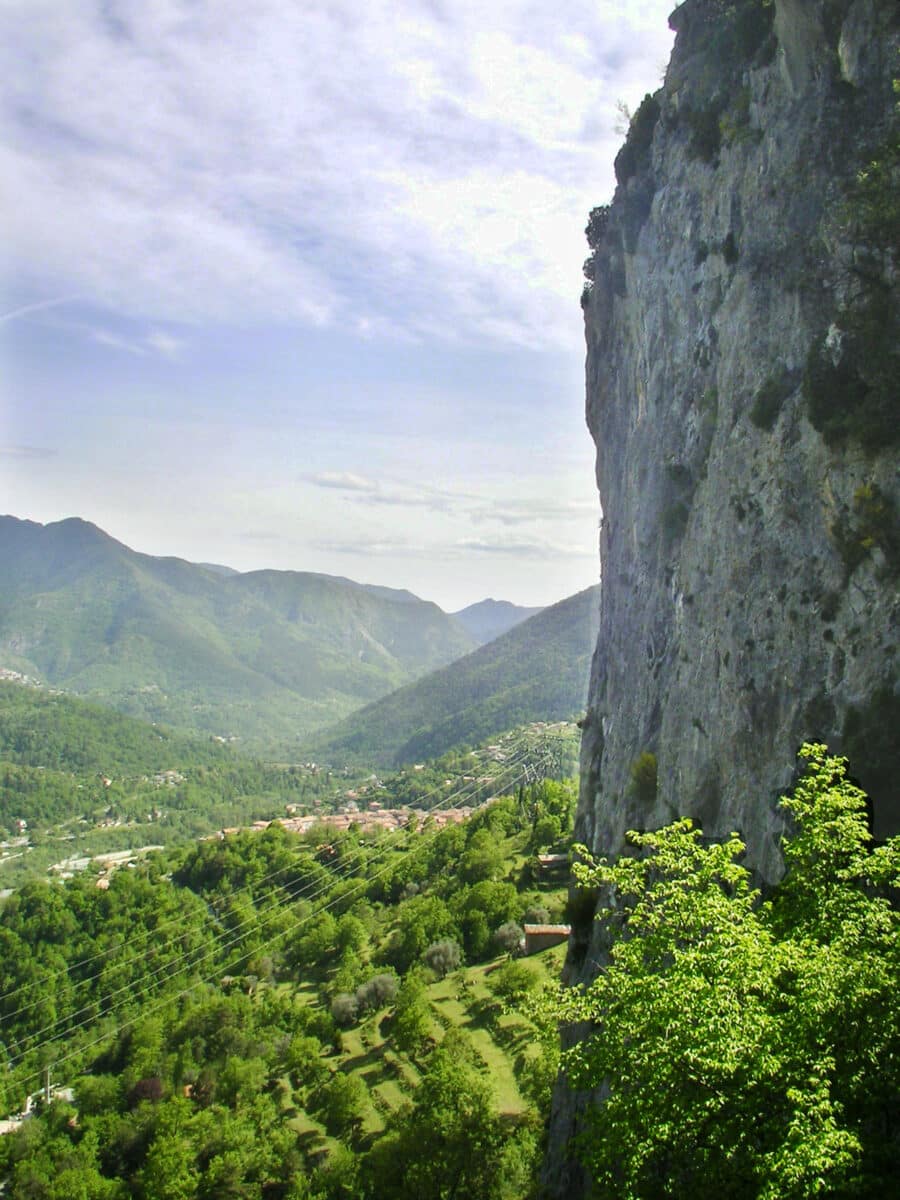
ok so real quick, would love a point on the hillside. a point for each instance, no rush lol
(78, 779)
(535, 672)
(278, 1012)
(46, 731)
(264, 655)
(489, 619)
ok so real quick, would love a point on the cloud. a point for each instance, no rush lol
(25, 310)
(232, 163)
(524, 549)
(260, 535)
(524, 512)
(155, 342)
(164, 344)
(26, 453)
(103, 337)
(466, 504)
(378, 547)
(392, 495)
(342, 481)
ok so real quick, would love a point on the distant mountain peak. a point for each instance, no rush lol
(488, 619)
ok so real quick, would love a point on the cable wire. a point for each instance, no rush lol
(233, 938)
(167, 924)
(171, 968)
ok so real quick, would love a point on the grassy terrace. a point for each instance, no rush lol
(463, 1000)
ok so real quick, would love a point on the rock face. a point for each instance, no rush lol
(741, 320)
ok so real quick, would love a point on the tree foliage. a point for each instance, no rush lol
(746, 1046)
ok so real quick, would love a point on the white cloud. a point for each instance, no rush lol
(390, 495)
(429, 164)
(164, 344)
(103, 337)
(25, 310)
(342, 481)
(154, 342)
(26, 453)
(525, 549)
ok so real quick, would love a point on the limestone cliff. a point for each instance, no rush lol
(741, 320)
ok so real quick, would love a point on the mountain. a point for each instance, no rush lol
(488, 619)
(264, 655)
(536, 672)
(218, 568)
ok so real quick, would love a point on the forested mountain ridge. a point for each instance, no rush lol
(489, 619)
(265, 655)
(78, 779)
(535, 672)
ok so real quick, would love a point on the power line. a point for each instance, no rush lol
(172, 968)
(69, 968)
(186, 991)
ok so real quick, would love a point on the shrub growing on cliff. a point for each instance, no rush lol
(749, 1048)
(768, 401)
(851, 375)
(635, 154)
(643, 777)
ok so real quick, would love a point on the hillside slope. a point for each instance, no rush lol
(265, 655)
(536, 672)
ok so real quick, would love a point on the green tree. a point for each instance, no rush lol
(483, 857)
(514, 982)
(412, 1014)
(423, 920)
(453, 1115)
(341, 1102)
(746, 1047)
(170, 1169)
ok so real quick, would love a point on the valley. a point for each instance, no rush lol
(262, 659)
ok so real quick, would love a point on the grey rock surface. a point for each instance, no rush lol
(742, 376)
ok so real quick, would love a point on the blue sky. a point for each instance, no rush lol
(295, 285)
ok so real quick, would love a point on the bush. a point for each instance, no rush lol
(536, 914)
(344, 1009)
(730, 251)
(635, 154)
(871, 523)
(850, 382)
(644, 777)
(376, 992)
(598, 221)
(514, 982)
(769, 399)
(705, 133)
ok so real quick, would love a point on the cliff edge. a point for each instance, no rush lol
(743, 359)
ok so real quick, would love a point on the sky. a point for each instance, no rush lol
(295, 285)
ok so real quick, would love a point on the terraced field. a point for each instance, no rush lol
(502, 1042)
